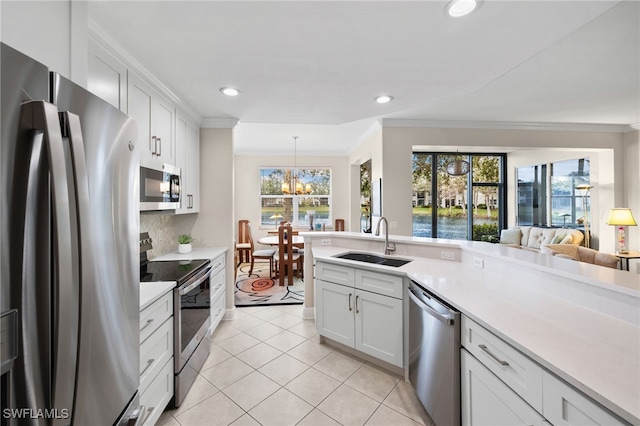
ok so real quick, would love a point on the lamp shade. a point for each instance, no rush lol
(621, 217)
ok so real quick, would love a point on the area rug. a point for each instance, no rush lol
(260, 289)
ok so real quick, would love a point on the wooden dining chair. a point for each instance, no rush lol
(243, 247)
(264, 254)
(339, 225)
(286, 257)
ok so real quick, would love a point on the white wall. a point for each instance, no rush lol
(247, 182)
(51, 32)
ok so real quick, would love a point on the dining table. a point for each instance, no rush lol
(272, 240)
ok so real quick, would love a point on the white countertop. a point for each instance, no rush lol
(596, 353)
(197, 253)
(150, 292)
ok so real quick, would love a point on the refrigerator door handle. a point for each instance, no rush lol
(42, 117)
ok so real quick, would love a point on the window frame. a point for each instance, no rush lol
(296, 223)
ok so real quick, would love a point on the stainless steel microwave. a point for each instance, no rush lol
(159, 189)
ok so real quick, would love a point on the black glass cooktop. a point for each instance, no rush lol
(171, 270)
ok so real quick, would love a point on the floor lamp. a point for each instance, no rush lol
(585, 209)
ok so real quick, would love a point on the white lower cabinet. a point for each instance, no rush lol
(156, 357)
(502, 386)
(217, 291)
(364, 320)
(563, 405)
(486, 400)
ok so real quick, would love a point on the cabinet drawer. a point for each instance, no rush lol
(217, 264)
(217, 311)
(487, 401)
(338, 274)
(513, 368)
(155, 314)
(156, 397)
(154, 352)
(217, 285)
(387, 285)
(564, 405)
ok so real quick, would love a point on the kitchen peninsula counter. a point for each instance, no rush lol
(579, 321)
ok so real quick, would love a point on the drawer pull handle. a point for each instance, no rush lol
(149, 321)
(149, 364)
(495, 358)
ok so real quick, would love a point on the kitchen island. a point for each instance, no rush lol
(579, 322)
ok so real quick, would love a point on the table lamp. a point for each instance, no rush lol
(621, 217)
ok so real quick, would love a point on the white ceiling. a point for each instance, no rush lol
(312, 68)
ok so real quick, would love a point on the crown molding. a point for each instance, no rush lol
(499, 125)
(218, 123)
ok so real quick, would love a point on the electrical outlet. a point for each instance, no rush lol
(326, 242)
(478, 262)
(393, 224)
(446, 255)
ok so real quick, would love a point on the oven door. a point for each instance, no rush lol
(159, 189)
(192, 316)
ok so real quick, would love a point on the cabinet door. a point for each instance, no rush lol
(139, 100)
(379, 326)
(106, 76)
(162, 121)
(334, 312)
(563, 405)
(193, 170)
(181, 161)
(488, 401)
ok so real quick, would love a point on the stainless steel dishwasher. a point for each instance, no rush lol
(434, 355)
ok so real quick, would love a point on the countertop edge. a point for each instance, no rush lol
(152, 291)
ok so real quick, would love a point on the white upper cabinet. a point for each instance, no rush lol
(155, 117)
(107, 76)
(188, 159)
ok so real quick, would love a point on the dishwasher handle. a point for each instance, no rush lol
(448, 319)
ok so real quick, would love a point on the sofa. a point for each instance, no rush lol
(533, 237)
(581, 254)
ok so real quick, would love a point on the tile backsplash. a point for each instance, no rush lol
(161, 229)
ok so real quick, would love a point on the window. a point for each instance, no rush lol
(567, 204)
(468, 207)
(276, 206)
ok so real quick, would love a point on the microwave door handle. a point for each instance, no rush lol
(42, 116)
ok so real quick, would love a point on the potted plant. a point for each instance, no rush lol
(184, 243)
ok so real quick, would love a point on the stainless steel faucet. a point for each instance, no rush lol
(388, 248)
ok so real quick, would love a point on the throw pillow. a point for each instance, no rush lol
(558, 239)
(510, 236)
(568, 239)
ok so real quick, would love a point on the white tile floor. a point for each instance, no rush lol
(266, 367)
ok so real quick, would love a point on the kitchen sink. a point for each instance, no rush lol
(373, 258)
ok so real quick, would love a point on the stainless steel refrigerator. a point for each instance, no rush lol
(69, 255)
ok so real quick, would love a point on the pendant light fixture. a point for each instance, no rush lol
(295, 185)
(458, 167)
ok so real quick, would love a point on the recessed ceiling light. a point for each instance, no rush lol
(229, 91)
(458, 8)
(384, 99)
